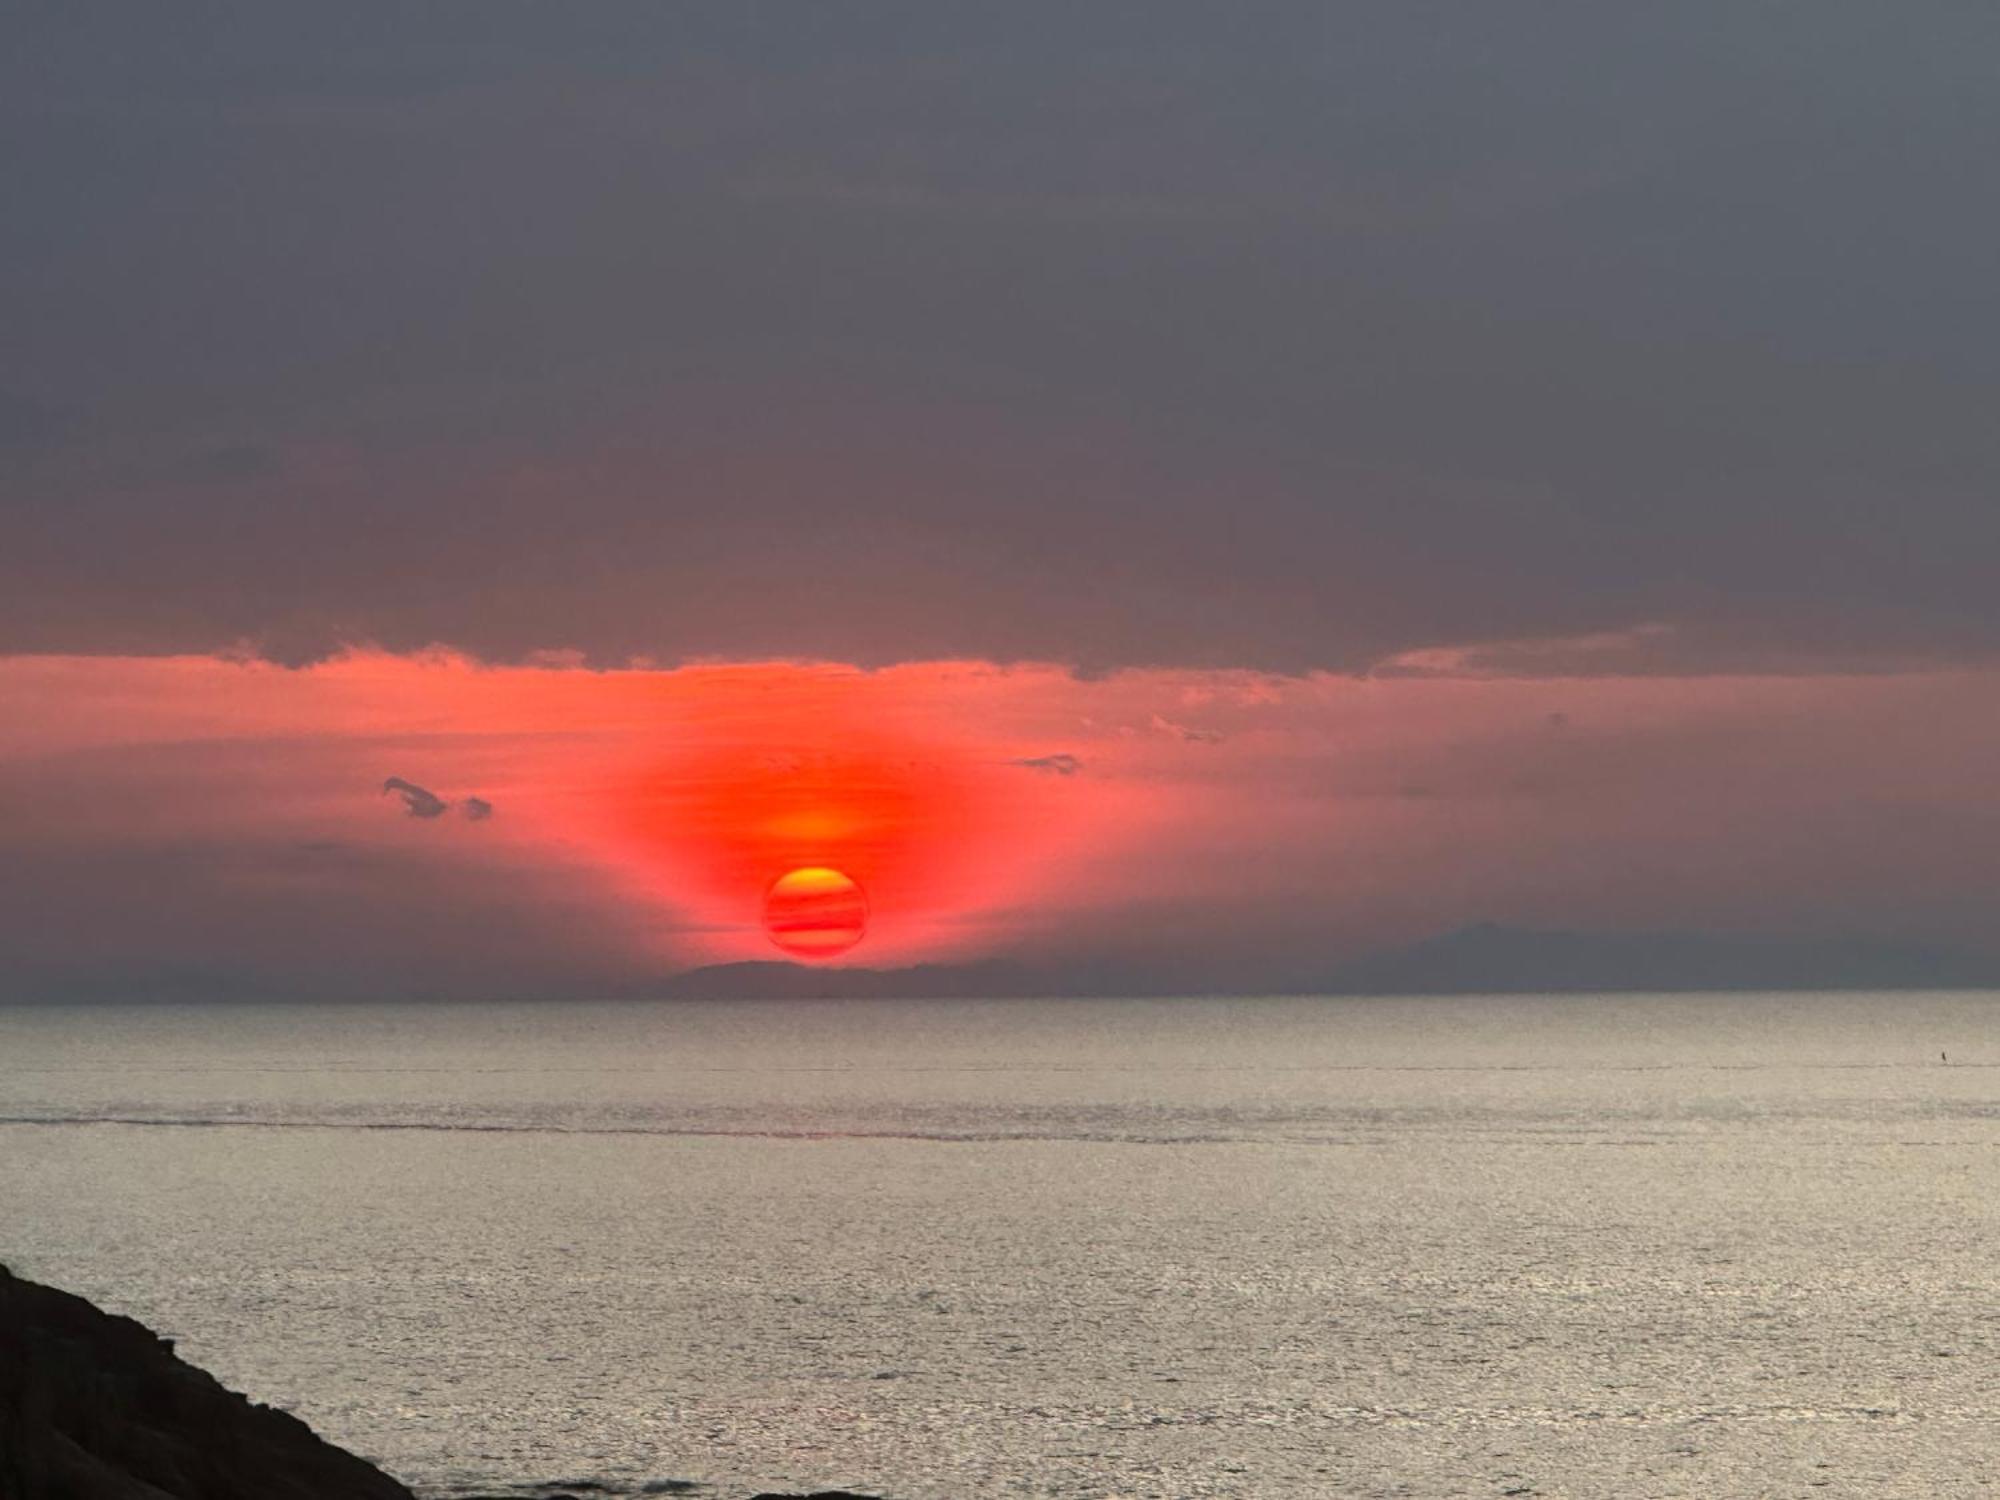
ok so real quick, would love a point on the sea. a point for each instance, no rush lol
(1588, 1245)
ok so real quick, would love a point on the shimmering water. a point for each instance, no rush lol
(1647, 1245)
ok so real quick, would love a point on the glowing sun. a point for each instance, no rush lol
(815, 912)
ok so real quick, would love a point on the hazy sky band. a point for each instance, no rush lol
(202, 826)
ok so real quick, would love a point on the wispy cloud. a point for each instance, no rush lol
(1060, 764)
(418, 802)
(1192, 736)
(422, 802)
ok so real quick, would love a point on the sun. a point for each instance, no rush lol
(815, 911)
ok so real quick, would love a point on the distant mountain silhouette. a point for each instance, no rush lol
(1472, 960)
(778, 980)
(1489, 958)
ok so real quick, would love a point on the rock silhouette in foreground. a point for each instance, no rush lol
(98, 1407)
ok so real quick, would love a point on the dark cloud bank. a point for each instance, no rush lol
(1294, 336)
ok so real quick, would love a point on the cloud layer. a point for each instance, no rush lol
(1305, 338)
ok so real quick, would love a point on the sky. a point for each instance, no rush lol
(1222, 489)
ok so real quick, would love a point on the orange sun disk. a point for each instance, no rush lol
(815, 912)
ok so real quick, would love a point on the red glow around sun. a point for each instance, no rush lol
(916, 827)
(759, 773)
(815, 912)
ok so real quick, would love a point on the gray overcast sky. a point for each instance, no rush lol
(1282, 336)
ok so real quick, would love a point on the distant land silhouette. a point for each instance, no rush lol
(1490, 958)
(1481, 959)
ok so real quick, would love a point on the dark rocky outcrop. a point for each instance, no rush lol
(98, 1407)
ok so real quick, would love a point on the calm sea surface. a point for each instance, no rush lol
(1633, 1246)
